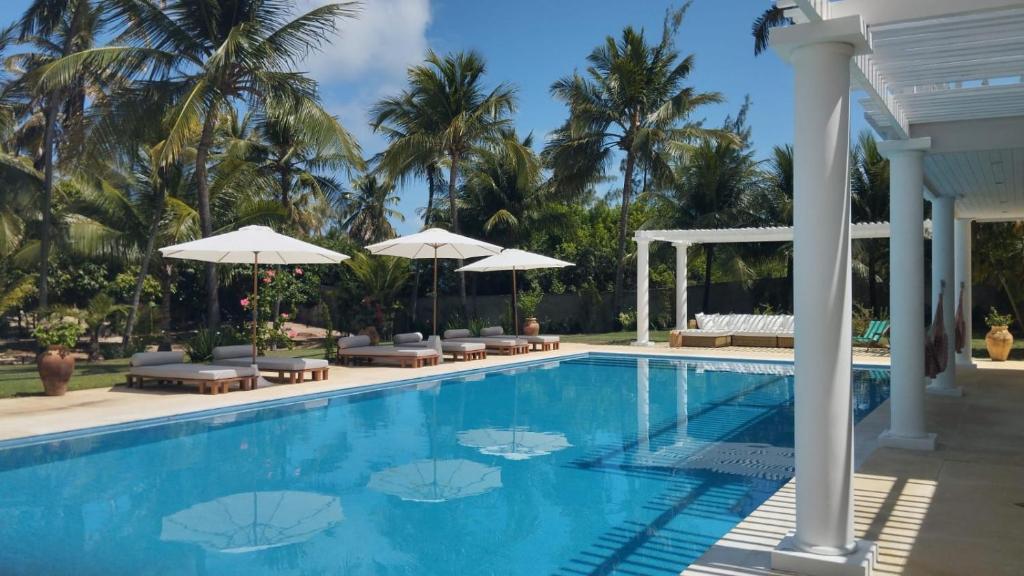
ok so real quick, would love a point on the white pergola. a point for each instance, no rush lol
(683, 239)
(942, 81)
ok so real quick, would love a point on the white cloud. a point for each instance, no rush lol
(383, 40)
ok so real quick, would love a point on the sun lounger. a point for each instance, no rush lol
(171, 367)
(493, 337)
(353, 349)
(543, 343)
(295, 369)
(464, 351)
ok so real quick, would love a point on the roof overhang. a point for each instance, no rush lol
(858, 231)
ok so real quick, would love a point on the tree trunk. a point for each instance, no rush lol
(709, 257)
(206, 216)
(166, 281)
(620, 255)
(453, 193)
(46, 233)
(140, 279)
(414, 297)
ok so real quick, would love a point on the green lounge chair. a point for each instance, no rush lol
(873, 334)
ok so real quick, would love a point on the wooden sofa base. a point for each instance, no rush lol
(205, 386)
(697, 341)
(403, 361)
(755, 341)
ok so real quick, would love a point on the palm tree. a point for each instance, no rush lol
(869, 187)
(710, 190)
(51, 30)
(632, 102)
(502, 193)
(368, 210)
(444, 113)
(773, 17)
(100, 310)
(381, 279)
(210, 57)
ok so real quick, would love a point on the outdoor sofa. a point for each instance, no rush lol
(464, 351)
(295, 369)
(171, 367)
(493, 337)
(755, 330)
(355, 349)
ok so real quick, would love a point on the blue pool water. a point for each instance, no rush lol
(596, 464)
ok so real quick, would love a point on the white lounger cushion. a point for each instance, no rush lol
(156, 358)
(192, 372)
(491, 331)
(353, 341)
(276, 363)
(497, 341)
(457, 333)
(699, 332)
(385, 351)
(407, 338)
(542, 339)
(235, 351)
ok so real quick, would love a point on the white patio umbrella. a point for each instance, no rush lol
(253, 245)
(252, 521)
(434, 243)
(513, 259)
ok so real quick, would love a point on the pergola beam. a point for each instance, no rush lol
(858, 231)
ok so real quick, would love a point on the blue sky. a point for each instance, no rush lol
(530, 44)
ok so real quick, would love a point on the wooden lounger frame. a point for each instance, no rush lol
(296, 376)
(544, 346)
(509, 349)
(467, 355)
(403, 361)
(205, 386)
(785, 341)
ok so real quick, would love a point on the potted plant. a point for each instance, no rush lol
(998, 341)
(56, 337)
(528, 303)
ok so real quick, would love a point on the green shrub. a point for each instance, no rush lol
(994, 318)
(200, 347)
(529, 301)
(57, 332)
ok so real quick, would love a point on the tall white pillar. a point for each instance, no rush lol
(643, 296)
(823, 543)
(680, 284)
(906, 295)
(962, 278)
(942, 275)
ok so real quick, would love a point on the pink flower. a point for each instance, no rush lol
(244, 302)
(266, 280)
(292, 333)
(298, 271)
(284, 315)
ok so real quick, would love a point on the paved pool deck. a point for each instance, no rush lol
(957, 510)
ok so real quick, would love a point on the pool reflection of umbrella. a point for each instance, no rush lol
(252, 521)
(436, 480)
(515, 443)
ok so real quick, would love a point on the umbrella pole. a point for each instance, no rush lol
(255, 300)
(435, 292)
(515, 305)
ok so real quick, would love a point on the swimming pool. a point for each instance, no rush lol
(595, 464)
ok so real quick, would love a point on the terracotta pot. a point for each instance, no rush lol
(999, 341)
(55, 365)
(531, 327)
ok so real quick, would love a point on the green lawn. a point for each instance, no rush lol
(22, 379)
(609, 338)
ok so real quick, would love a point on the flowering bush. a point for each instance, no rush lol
(57, 332)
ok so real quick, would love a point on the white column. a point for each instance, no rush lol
(906, 295)
(643, 297)
(643, 405)
(823, 543)
(962, 277)
(681, 284)
(942, 275)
